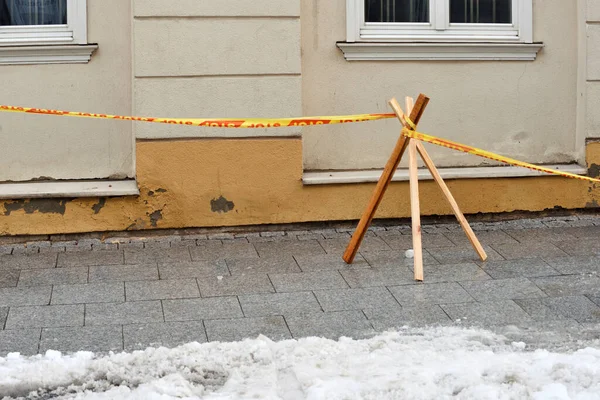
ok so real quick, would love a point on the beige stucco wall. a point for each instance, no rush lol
(592, 70)
(516, 108)
(43, 146)
(229, 58)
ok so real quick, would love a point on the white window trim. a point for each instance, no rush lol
(440, 39)
(48, 44)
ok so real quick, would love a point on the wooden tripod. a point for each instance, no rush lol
(415, 111)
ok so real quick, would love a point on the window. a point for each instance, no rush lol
(44, 31)
(42, 22)
(466, 24)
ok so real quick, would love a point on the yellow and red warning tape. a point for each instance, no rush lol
(213, 122)
(301, 121)
(486, 154)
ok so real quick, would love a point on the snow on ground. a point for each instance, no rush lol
(436, 363)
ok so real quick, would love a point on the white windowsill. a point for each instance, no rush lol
(70, 189)
(401, 175)
(364, 51)
(51, 54)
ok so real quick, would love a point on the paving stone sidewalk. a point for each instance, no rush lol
(541, 284)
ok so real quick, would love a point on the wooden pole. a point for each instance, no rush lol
(415, 208)
(459, 215)
(383, 183)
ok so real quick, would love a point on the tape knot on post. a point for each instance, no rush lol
(410, 123)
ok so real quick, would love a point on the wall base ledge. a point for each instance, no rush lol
(401, 175)
(68, 189)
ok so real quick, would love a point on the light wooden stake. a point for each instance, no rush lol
(384, 181)
(414, 147)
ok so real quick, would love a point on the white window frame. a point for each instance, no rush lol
(49, 44)
(439, 29)
(73, 32)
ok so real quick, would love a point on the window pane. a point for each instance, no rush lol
(33, 12)
(481, 11)
(397, 10)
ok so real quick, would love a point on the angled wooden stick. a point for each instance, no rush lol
(383, 183)
(415, 209)
(459, 215)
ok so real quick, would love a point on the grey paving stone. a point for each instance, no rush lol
(213, 250)
(53, 276)
(397, 241)
(530, 268)
(485, 314)
(23, 341)
(3, 316)
(430, 294)
(83, 338)
(171, 334)
(580, 247)
(229, 330)
(25, 296)
(199, 309)
(291, 248)
(528, 250)
(453, 273)
(303, 281)
(163, 289)
(569, 285)
(234, 285)
(260, 305)
(9, 278)
(583, 232)
(395, 259)
(595, 299)
(134, 312)
(396, 317)
(121, 273)
(331, 325)
(370, 277)
(461, 254)
(575, 264)
(500, 289)
(263, 265)
(28, 261)
(193, 269)
(486, 237)
(145, 256)
(355, 299)
(579, 308)
(321, 262)
(338, 246)
(541, 235)
(112, 292)
(79, 259)
(45, 316)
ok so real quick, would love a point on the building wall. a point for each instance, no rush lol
(514, 108)
(34, 147)
(592, 70)
(230, 58)
(245, 182)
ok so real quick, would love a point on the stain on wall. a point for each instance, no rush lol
(30, 206)
(221, 205)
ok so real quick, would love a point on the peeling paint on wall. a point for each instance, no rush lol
(221, 205)
(155, 217)
(44, 206)
(99, 206)
(594, 170)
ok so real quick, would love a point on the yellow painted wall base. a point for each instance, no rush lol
(228, 182)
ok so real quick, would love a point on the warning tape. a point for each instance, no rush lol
(486, 154)
(301, 121)
(213, 122)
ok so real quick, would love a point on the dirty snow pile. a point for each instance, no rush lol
(437, 363)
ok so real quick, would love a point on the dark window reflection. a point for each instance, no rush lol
(481, 11)
(397, 10)
(33, 12)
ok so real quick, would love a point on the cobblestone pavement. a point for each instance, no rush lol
(540, 285)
